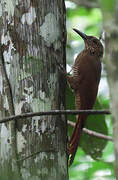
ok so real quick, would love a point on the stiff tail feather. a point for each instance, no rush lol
(75, 138)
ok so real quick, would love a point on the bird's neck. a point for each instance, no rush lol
(93, 52)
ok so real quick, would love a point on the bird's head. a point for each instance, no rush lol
(92, 44)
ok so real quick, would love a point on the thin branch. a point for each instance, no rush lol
(8, 92)
(59, 112)
(34, 154)
(93, 133)
(8, 89)
(85, 130)
(54, 112)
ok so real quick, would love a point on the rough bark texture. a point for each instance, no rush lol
(32, 40)
(110, 19)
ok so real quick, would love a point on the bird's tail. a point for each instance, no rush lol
(75, 138)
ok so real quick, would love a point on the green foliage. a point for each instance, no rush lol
(78, 11)
(87, 20)
(81, 17)
(108, 6)
(95, 146)
(93, 14)
(105, 102)
(86, 168)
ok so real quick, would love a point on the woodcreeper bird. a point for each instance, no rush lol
(84, 82)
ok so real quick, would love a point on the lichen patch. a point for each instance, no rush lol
(20, 142)
(29, 17)
(50, 29)
(5, 142)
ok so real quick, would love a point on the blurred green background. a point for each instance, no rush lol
(95, 157)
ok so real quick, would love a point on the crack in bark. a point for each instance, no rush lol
(8, 89)
(8, 92)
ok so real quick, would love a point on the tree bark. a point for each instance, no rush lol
(110, 17)
(33, 39)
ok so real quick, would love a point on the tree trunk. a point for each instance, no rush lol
(33, 39)
(110, 19)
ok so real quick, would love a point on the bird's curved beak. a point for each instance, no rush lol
(84, 36)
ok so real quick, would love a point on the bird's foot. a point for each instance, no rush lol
(71, 150)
